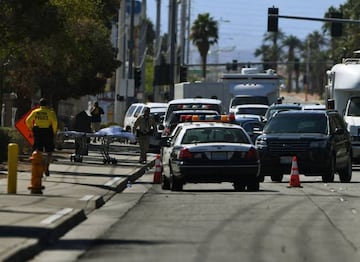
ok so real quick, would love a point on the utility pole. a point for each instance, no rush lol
(120, 82)
(182, 31)
(172, 36)
(157, 49)
(141, 60)
(188, 33)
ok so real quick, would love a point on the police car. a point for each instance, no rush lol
(209, 149)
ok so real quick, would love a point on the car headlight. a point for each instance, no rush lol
(318, 144)
(260, 143)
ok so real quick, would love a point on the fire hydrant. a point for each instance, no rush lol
(37, 169)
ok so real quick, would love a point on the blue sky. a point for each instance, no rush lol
(242, 23)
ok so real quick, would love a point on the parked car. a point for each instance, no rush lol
(251, 109)
(253, 126)
(193, 104)
(247, 99)
(318, 138)
(175, 118)
(313, 107)
(209, 152)
(275, 108)
(136, 109)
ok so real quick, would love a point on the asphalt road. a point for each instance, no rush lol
(211, 222)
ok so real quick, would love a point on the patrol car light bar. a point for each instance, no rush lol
(206, 118)
(194, 106)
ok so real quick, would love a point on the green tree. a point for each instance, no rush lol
(70, 63)
(204, 33)
(315, 55)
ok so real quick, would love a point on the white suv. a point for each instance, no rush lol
(136, 109)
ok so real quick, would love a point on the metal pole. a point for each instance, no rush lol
(131, 40)
(157, 49)
(120, 88)
(182, 31)
(172, 34)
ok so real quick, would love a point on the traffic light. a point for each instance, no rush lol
(234, 65)
(273, 20)
(137, 77)
(336, 27)
(183, 73)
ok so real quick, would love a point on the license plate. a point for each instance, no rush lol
(219, 156)
(285, 159)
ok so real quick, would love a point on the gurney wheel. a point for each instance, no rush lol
(78, 159)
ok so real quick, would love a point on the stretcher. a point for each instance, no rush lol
(106, 136)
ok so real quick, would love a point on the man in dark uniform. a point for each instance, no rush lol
(144, 127)
(42, 121)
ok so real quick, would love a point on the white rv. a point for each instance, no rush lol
(343, 89)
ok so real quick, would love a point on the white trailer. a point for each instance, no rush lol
(344, 89)
(249, 82)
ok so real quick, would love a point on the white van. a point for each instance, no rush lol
(136, 109)
(190, 106)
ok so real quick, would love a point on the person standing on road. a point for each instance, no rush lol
(42, 121)
(144, 127)
(96, 112)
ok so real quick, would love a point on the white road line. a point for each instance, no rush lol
(112, 181)
(56, 216)
(86, 197)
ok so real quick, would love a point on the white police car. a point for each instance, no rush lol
(209, 151)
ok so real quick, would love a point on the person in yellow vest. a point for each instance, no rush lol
(42, 121)
(144, 127)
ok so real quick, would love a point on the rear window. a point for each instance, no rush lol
(245, 100)
(291, 123)
(130, 110)
(251, 111)
(215, 135)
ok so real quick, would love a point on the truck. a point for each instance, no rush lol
(343, 95)
(249, 82)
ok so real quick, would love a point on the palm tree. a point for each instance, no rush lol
(316, 56)
(265, 52)
(204, 33)
(291, 42)
(270, 50)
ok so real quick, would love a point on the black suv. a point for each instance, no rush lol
(318, 139)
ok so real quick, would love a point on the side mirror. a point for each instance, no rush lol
(165, 141)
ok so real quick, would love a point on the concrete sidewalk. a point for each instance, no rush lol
(72, 191)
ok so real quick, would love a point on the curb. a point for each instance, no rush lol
(31, 247)
(41, 237)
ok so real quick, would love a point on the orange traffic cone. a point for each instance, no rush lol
(294, 174)
(158, 170)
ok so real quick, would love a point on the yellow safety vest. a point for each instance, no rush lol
(42, 117)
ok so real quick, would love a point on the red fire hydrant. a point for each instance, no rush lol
(37, 169)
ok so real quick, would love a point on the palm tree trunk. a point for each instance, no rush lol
(204, 61)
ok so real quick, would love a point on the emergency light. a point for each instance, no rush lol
(205, 118)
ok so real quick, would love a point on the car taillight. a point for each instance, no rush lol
(184, 153)
(252, 154)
